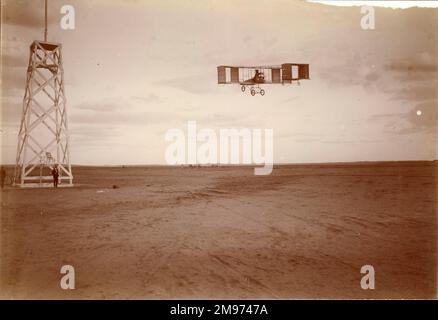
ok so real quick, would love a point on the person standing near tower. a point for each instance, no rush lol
(55, 174)
(3, 176)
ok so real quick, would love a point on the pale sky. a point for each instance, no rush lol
(381, 3)
(134, 69)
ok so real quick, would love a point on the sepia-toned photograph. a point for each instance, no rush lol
(218, 150)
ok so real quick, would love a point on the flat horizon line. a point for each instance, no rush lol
(245, 165)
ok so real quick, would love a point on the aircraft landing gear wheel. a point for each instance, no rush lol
(253, 92)
(262, 92)
(243, 88)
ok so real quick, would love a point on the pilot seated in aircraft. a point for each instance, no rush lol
(258, 77)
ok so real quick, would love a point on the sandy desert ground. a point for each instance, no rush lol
(302, 232)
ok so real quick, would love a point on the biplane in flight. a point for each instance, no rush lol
(255, 76)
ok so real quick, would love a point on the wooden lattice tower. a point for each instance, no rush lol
(44, 127)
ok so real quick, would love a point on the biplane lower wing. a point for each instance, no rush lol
(253, 82)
